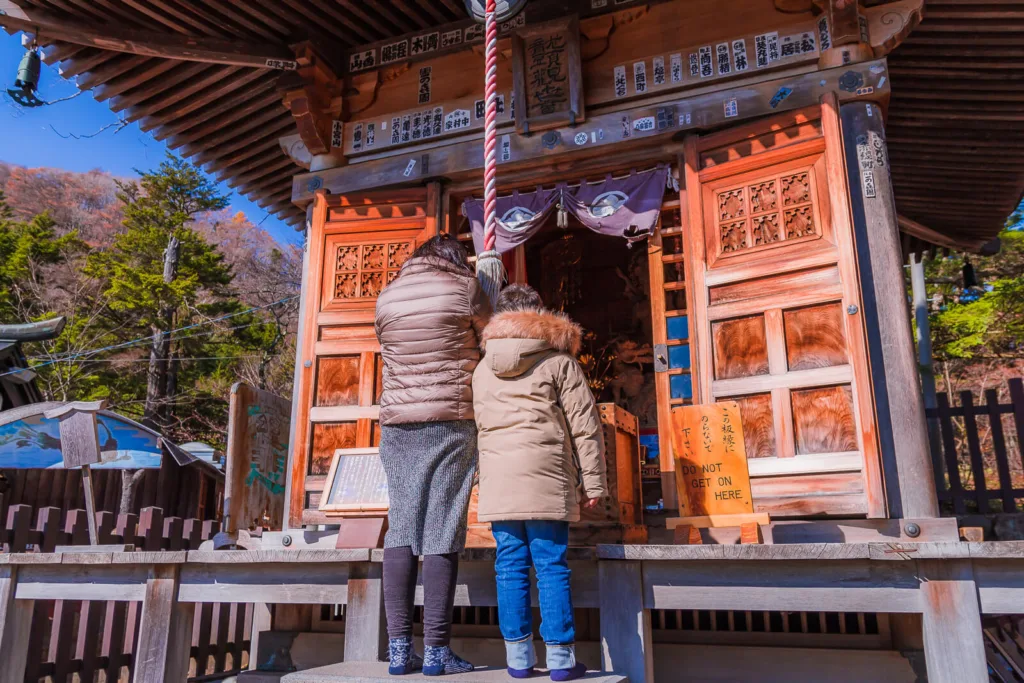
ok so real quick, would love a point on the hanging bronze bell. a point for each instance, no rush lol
(27, 80)
(503, 10)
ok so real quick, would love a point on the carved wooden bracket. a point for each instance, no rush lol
(313, 95)
(843, 32)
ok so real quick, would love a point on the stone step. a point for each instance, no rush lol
(373, 672)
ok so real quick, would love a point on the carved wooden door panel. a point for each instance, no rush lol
(356, 247)
(776, 312)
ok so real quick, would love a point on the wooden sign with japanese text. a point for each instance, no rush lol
(547, 75)
(257, 451)
(711, 461)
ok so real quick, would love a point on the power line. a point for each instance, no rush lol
(149, 339)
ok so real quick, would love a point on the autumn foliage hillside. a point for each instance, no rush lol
(91, 247)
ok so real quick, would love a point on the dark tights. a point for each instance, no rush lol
(439, 575)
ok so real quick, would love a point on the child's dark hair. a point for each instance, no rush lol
(518, 298)
(446, 247)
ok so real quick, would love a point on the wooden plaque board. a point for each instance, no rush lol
(547, 75)
(356, 483)
(257, 454)
(79, 435)
(711, 461)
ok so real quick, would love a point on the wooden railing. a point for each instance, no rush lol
(85, 637)
(951, 584)
(978, 465)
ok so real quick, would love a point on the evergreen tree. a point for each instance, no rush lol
(24, 248)
(159, 274)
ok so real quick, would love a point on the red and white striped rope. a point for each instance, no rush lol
(491, 128)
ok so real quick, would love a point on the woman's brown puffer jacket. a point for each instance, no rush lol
(429, 322)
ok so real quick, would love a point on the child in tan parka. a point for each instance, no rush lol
(541, 451)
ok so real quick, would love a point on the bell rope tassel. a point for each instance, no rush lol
(491, 272)
(489, 268)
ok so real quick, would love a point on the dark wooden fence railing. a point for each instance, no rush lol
(978, 465)
(87, 637)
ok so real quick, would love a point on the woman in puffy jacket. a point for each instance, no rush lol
(428, 321)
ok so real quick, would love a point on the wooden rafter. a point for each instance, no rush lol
(923, 232)
(144, 42)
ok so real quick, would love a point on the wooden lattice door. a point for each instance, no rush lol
(775, 311)
(356, 247)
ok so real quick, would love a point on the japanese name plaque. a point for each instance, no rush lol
(356, 483)
(711, 466)
(546, 74)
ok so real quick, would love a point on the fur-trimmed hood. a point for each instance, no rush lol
(515, 341)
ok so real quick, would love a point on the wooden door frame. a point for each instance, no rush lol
(363, 209)
(692, 214)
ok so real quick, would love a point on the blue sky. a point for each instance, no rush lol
(27, 136)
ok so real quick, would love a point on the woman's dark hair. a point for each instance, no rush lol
(518, 298)
(446, 247)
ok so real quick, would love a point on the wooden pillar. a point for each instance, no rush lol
(15, 626)
(300, 332)
(903, 435)
(954, 648)
(627, 647)
(919, 292)
(366, 638)
(165, 631)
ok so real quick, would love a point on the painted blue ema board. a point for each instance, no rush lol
(33, 442)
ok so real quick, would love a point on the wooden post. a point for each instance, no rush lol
(906, 460)
(260, 623)
(165, 631)
(90, 505)
(80, 447)
(626, 644)
(15, 627)
(366, 635)
(924, 356)
(954, 648)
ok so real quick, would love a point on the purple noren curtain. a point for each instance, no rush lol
(622, 207)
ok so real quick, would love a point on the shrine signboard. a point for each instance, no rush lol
(257, 454)
(546, 73)
(711, 465)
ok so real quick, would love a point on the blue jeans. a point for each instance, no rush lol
(543, 544)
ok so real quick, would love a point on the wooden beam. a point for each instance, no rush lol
(469, 33)
(600, 136)
(142, 42)
(912, 227)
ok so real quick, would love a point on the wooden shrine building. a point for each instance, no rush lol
(778, 159)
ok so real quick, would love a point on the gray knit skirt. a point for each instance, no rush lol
(430, 468)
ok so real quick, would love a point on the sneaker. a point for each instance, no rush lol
(402, 658)
(520, 673)
(577, 671)
(441, 661)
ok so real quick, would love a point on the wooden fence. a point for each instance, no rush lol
(96, 640)
(978, 465)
